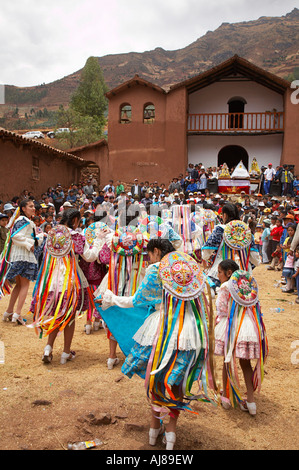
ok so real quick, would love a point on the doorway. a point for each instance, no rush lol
(232, 155)
(236, 109)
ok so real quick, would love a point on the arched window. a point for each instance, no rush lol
(125, 113)
(236, 108)
(149, 113)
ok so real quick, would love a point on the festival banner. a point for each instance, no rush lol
(233, 186)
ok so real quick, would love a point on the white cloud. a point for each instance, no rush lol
(44, 41)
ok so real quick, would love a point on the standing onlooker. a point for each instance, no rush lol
(286, 179)
(136, 189)
(265, 240)
(109, 185)
(202, 180)
(58, 197)
(174, 186)
(23, 263)
(288, 269)
(3, 230)
(8, 209)
(268, 176)
(275, 236)
(296, 274)
(296, 185)
(119, 188)
(88, 188)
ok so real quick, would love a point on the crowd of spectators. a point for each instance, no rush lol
(272, 219)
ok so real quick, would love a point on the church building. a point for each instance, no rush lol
(234, 111)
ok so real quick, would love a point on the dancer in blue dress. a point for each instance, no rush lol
(163, 331)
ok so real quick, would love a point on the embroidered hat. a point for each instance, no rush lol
(92, 231)
(59, 241)
(181, 276)
(243, 288)
(127, 242)
(237, 235)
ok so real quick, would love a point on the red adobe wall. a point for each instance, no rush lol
(290, 153)
(152, 152)
(17, 170)
(96, 153)
(176, 132)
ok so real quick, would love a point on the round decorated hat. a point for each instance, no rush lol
(209, 216)
(237, 235)
(198, 217)
(59, 241)
(243, 288)
(92, 231)
(127, 242)
(181, 276)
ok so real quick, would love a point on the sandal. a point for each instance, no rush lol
(16, 318)
(112, 362)
(47, 356)
(65, 357)
(250, 407)
(169, 439)
(7, 316)
(88, 329)
(225, 402)
(154, 433)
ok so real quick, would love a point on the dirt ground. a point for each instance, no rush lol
(44, 407)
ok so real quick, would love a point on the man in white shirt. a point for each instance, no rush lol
(136, 189)
(268, 175)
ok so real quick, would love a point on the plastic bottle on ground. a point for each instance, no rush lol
(84, 445)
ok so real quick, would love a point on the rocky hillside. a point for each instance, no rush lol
(269, 42)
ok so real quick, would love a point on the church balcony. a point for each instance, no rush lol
(236, 123)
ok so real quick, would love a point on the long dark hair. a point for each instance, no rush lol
(228, 265)
(162, 244)
(231, 211)
(68, 217)
(23, 204)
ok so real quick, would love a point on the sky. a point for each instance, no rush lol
(43, 41)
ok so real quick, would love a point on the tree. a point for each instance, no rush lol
(89, 99)
(82, 129)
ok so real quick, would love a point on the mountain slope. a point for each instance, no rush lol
(269, 42)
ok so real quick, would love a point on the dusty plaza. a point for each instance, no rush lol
(149, 229)
(67, 395)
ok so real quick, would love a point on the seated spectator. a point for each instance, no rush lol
(277, 263)
(174, 185)
(192, 186)
(147, 199)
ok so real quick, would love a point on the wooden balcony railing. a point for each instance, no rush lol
(236, 122)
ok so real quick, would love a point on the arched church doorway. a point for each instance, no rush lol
(232, 155)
